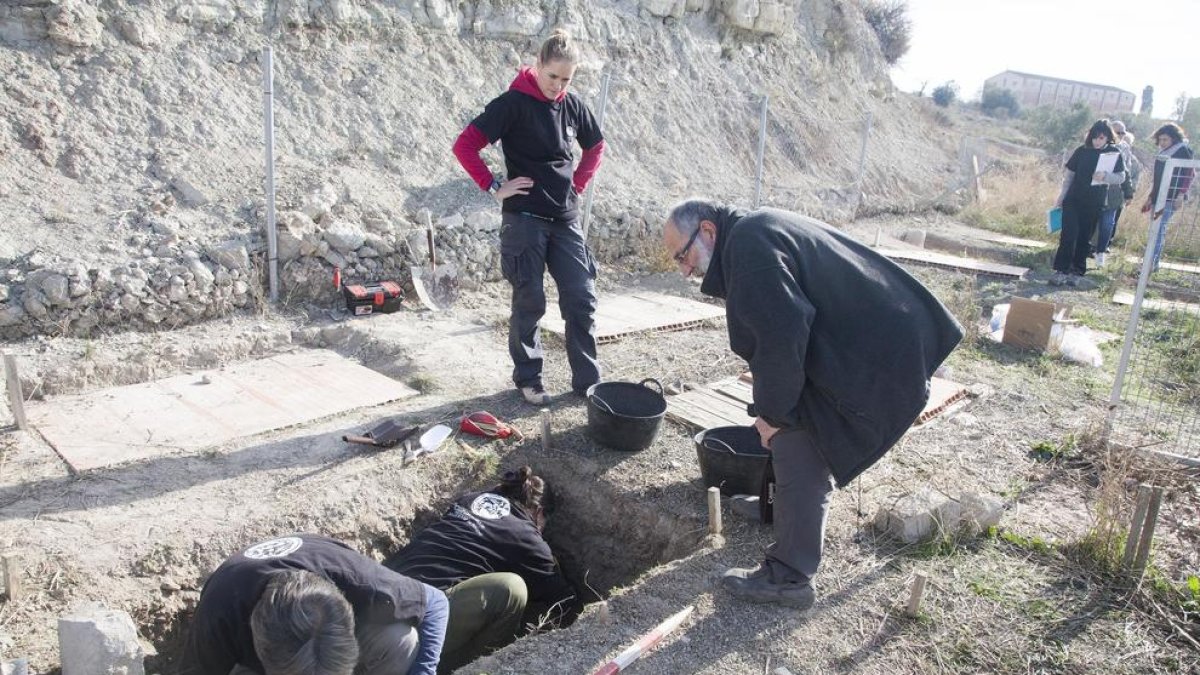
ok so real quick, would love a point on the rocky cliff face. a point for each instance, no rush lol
(131, 142)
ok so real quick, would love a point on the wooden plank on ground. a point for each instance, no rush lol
(1013, 241)
(188, 412)
(1126, 298)
(957, 263)
(623, 315)
(1165, 265)
(723, 403)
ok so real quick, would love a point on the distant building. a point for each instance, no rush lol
(1036, 91)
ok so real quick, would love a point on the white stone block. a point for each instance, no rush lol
(918, 516)
(979, 511)
(96, 640)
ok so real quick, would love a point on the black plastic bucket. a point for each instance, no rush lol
(625, 416)
(732, 458)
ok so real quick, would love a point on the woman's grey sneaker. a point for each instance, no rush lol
(754, 585)
(536, 395)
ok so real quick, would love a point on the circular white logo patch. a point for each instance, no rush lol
(490, 506)
(274, 548)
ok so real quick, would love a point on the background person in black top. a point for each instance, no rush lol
(309, 604)
(1082, 202)
(488, 554)
(538, 122)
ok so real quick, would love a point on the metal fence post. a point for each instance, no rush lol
(762, 149)
(269, 137)
(591, 192)
(862, 162)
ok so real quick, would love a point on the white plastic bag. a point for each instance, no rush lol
(1079, 345)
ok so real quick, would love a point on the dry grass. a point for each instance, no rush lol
(1017, 198)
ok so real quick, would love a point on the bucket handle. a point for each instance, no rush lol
(658, 384)
(600, 402)
(728, 447)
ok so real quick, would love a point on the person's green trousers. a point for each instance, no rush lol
(485, 615)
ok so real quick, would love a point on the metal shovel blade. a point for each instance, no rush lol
(436, 288)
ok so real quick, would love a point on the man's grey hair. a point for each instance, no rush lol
(688, 213)
(303, 625)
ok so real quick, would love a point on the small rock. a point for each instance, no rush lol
(189, 191)
(919, 516)
(345, 237)
(964, 419)
(979, 511)
(57, 289)
(231, 254)
(95, 639)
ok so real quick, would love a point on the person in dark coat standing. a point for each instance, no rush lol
(538, 123)
(1082, 199)
(841, 342)
(1171, 145)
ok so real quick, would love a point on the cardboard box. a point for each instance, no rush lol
(1032, 324)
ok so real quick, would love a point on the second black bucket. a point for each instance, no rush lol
(625, 416)
(731, 458)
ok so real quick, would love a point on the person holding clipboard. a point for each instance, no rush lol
(1092, 167)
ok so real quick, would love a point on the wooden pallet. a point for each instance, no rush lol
(623, 315)
(956, 263)
(723, 403)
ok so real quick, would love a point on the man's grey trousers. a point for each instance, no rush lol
(803, 488)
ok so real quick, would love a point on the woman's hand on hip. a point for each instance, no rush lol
(765, 431)
(516, 186)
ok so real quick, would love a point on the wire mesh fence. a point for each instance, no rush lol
(1156, 394)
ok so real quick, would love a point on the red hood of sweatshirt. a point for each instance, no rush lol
(526, 83)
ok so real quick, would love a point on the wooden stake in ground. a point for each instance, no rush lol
(546, 431)
(914, 597)
(714, 510)
(11, 572)
(1143, 552)
(1135, 526)
(645, 643)
(16, 401)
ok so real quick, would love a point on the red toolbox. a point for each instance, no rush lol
(383, 297)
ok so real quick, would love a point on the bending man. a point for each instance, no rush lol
(841, 343)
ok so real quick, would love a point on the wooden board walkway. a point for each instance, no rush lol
(1165, 265)
(618, 316)
(1012, 241)
(723, 403)
(1126, 298)
(957, 263)
(191, 412)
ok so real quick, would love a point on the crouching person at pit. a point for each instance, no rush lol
(310, 605)
(488, 554)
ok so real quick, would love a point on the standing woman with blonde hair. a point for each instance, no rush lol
(538, 123)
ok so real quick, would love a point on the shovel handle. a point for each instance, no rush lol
(361, 440)
(429, 236)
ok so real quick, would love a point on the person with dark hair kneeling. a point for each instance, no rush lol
(309, 605)
(487, 553)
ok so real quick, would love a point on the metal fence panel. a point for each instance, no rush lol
(1156, 394)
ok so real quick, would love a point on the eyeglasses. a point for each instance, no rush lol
(688, 246)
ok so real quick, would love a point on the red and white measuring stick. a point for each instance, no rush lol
(645, 644)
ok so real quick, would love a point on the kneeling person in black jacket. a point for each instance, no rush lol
(310, 605)
(487, 553)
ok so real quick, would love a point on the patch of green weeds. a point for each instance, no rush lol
(1038, 260)
(423, 383)
(942, 546)
(984, 589)
(1034, 544)
(1048, 451)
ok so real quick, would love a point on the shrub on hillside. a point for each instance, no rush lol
(998, 102)
(889, 20)
(945, 94)
(1057, 130)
